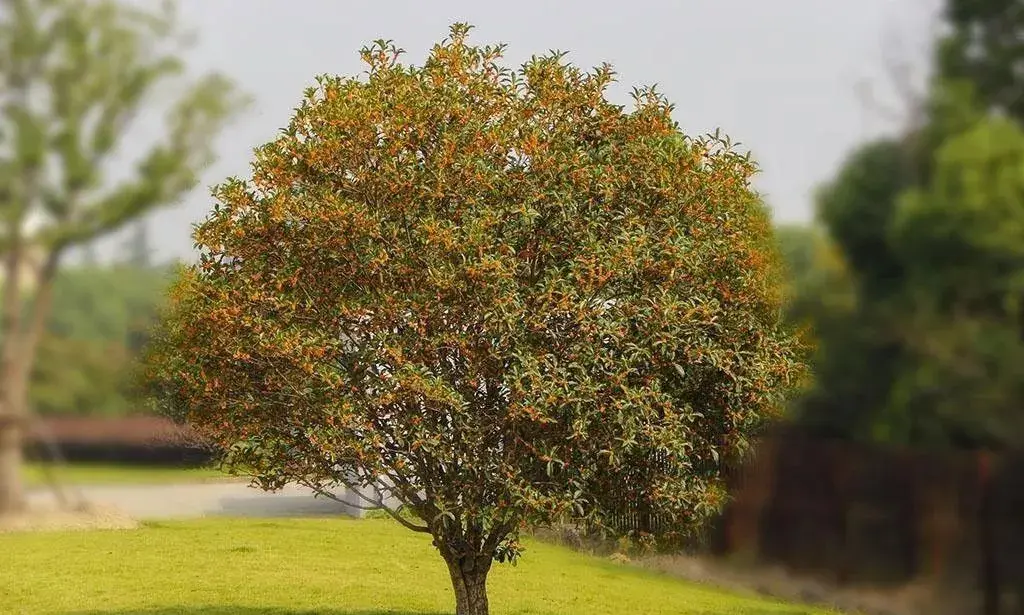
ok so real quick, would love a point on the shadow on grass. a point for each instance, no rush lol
(246, 610)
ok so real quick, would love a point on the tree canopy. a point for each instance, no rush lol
(491, 293)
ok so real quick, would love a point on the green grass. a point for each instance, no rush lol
(322, 567)
(111, 474)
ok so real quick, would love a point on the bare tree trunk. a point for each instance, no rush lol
(12, 496)
(13, 432)
(19, 348)
(11, 422)
(469, 580)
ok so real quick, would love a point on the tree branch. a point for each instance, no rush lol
(29, 338)
(376, 504)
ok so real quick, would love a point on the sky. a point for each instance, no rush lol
(779, 77)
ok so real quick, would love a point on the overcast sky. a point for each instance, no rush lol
(780, 77)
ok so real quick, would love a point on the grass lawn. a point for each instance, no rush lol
(319, 567)
(112, 474)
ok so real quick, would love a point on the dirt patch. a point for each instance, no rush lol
(85, 517)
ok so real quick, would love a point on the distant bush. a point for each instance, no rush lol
(100, 321)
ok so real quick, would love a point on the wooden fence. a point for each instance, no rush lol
(143, 440)
(868, 516)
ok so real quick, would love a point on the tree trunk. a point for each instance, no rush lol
(12, 496)
(18, 357)
(14, 422)
(11, 490)
(469, 580)
(988, 572)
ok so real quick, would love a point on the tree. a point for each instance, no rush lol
(856, 208)
(818, 277)
(823, 304)
(99, 323)
(927, 356)
(926, 223)
(74, 74)
(491, 294)
(856, 332)
(962, 237)
(982, 49)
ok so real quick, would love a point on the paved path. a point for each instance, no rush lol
(231, 499)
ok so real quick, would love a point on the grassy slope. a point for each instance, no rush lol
(324, 567)
(110, 474)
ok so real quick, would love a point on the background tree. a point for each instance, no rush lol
(927, 353)
(983, 48)
(858, 345)
(74, 74)
(492, 294)
(962, 239)
(822, 303)
(930, 353)
(857, 206)
(94, 335)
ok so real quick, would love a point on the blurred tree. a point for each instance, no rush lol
(961, 238)
(73, 74)
(930, 352)
(819, 282)
(822, 304)
(858, 351)
(928, 225)
(983, 48)
(856, 207)
(100, 321)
